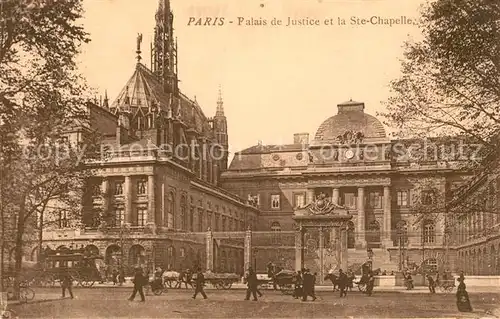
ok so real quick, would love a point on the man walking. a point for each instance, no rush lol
(432, 284)
(308, 285)
(139, 281)
(200, 283)
(66, 283)
(342, 282)
(251, 284)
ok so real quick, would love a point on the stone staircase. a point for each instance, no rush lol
(381, 259)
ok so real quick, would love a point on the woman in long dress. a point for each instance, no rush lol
(463, 302)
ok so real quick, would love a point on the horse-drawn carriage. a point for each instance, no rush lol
(83, 268)
(284, 280)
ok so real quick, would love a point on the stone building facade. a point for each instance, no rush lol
(156, 192)
(352, 161)
(476, 227)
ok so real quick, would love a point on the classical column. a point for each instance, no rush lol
(151, 218)
(387, 217)
(210, 250)
(105, 196)
(299, 239)
(343, 247)
(361, 240)
(129, 216)
(248, 249)
(310, 196)
(335, 195)
(321, 253)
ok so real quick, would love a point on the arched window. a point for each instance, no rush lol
(428, 232)
(170, 210)
(183, 213)
(276, 227)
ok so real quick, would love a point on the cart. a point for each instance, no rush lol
(219, 280)
(285, 280)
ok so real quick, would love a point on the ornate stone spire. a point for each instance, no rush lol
(220, 104)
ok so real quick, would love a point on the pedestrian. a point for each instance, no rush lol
(463, 302)
(307, 285)
(121, 276)
(139, 282)
(200, 283)
(114, 274)
(342, 282)
(350, 279)
(251, 280)
(432, 284)
(297, 293)
(66, 283)
(370, 283)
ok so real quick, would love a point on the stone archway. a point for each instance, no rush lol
(92, 250)
(113, 256)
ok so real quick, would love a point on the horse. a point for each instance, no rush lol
(334, 279)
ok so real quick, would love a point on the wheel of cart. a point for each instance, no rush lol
(217, 284)
(171, 282)
(361, 286)
(447, 286)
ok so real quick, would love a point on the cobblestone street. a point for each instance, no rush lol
(112, 302)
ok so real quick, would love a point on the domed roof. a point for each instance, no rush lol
(350, 117)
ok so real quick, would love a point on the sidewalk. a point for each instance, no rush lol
(418, 289)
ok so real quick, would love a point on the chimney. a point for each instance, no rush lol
(301, 138)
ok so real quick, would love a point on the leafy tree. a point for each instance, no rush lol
(450, 82)
(42, 97)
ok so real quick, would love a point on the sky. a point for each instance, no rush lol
(275, 80)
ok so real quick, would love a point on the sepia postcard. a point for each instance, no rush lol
(249, 159)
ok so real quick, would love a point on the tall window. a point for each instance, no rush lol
(299, 200)
(275, 201)
(375, 201)
(200, 219)
(428, 232)
(142, 214)
(63, 219)
(223, 223)
(402, 198)
(349, 200)
(119, 216)
(183, 212)
(141, 187)
(276, 227)
(191, 219)
(170, 210)
(96, 190)
(118, 188)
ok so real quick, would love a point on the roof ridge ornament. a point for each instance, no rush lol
(138, 51)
